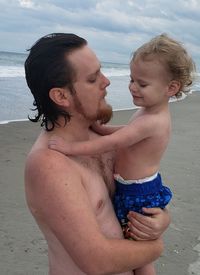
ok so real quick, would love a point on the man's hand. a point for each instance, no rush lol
(150, 226)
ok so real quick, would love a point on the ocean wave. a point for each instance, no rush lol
(12, 71)
(115, 69)
(18, 71)
(13, 120)
(109, 72)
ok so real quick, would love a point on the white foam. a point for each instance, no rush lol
(115, 72)
(12, 71)
(194, 268)
(174, 98)
(18, 71)
(14, 120)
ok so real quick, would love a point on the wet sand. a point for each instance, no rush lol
(23, 250)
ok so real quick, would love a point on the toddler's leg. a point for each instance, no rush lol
(145, 270)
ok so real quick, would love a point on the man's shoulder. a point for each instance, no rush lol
(43, 161)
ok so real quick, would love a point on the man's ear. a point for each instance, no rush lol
(60, 96)
(174, 87)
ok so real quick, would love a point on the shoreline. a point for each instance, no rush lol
(114, 110)
(22, 247)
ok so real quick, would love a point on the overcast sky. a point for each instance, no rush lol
(113, 28)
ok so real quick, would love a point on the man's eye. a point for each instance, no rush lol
(92, 80)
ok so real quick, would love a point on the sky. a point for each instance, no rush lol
(113, 28)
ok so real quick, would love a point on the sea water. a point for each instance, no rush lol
(16, 99)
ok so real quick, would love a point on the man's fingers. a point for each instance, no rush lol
(52, 144)
(137, 234)
(152, 211)
(140, 220)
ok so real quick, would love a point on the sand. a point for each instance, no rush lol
(22, 247)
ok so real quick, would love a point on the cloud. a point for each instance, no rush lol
(114, 28)
(26, 3)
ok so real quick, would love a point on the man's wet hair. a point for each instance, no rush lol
(47, 67)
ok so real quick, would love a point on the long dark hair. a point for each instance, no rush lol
(47, 67)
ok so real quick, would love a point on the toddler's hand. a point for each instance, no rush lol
(97, 127)
(58, 144)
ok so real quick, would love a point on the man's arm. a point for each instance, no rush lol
(55, 192)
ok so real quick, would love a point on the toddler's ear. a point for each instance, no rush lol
(174, 88)
(60, 96)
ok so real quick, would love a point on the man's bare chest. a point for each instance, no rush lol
(97, 171)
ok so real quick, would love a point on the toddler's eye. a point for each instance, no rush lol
(143, 85)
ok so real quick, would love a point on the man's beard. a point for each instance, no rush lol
(103, 114)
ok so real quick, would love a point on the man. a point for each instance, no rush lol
(69, 196)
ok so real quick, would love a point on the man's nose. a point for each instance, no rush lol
(105, 80)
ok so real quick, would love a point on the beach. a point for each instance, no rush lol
(23, 250)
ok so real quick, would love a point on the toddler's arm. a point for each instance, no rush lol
(126, 136)
(104, 129)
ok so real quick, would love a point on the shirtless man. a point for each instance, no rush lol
(69, 197)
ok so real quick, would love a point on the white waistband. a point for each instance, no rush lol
(123, 181)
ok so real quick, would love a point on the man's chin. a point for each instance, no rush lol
(105, 114)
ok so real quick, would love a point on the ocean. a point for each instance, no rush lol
(16, 99)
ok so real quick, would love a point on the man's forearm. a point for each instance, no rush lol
(137, 254)
(125, 255)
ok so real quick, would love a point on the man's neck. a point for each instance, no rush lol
(74, 130)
